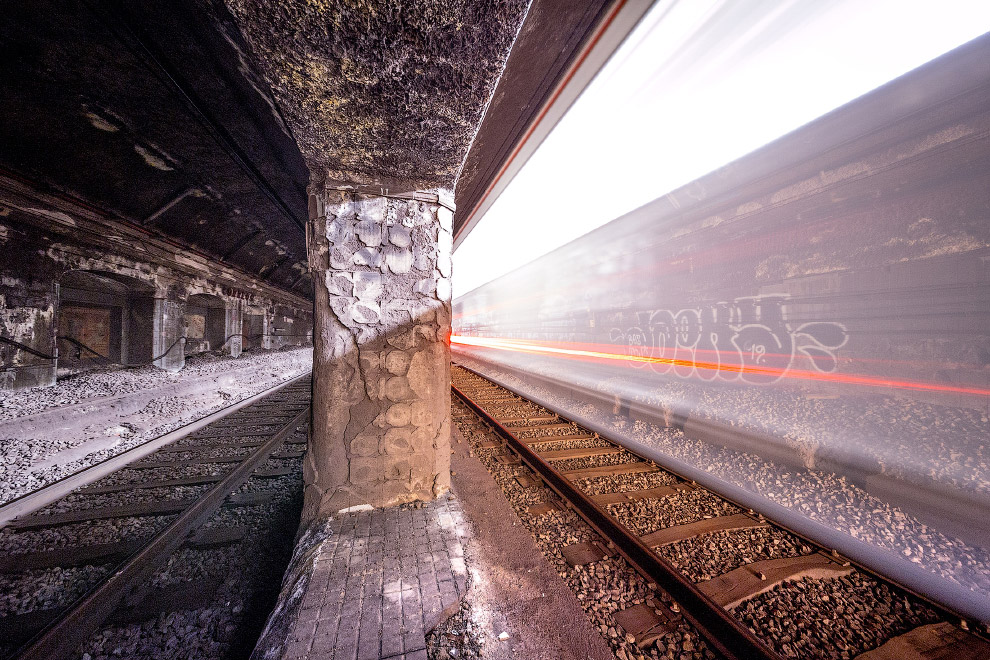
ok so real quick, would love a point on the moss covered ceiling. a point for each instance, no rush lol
(383, 92)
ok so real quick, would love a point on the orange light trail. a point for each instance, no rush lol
(526, 346)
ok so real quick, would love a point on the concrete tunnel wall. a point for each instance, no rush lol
(100, 316)
(50, 280)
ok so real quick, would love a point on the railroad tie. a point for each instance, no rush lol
(18, 628)
(288, 454)
(587, 452)
(271, 474)
(202, 460)
(610, 470)
(141, 509)
(542, 427)
(646, 623)
(580, 554)
(739, 585)
(184, 481)
(732, 523)
(105, 553)
(147, 604)
(164, 483)
(214, 537)
(542, 509)
(511, 422)
(69, 557)
(934, 640)
(556, 438)
(508, 459)
(527, 480)
(213, 436)
(176, 449)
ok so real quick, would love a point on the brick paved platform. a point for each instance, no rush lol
(369, 585)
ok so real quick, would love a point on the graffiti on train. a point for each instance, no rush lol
(748, 340)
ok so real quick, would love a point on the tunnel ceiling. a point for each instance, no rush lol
(381, 91)
(163, 114)
(154, 113)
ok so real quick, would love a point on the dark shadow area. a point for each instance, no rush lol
(103, 318)
(205, 321)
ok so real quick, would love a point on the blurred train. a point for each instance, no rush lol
(823, 301)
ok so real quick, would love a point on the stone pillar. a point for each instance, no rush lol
(27, 316)
(381, 356)
(125, 331)
(266, 330)
(169, 338)
(232, 328)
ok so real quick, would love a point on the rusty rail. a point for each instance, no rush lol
(84, 617)
(727, 637)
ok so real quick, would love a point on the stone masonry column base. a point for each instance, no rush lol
(381, 395)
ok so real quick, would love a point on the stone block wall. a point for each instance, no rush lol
(381, 400)
(167, 345)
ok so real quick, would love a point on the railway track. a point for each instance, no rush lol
(705, 567)
(147, 537)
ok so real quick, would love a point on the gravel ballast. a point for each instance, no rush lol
(602, 588)
(245, 573)
(822, 496)
(49, 433)
(837, 618)
(786, 616)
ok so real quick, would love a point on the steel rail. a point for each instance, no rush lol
(904, 576)
(725, 635)
(27, 503)
(60, 638)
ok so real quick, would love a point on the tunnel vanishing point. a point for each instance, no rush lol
(204, 175)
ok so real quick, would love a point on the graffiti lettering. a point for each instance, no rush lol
(748, 340)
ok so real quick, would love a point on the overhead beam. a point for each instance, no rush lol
(270, 269)
(135, 38)
(303, 275)
(241, 242)
(164, 209)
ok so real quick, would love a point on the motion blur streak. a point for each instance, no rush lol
(848, 379)
(816, 313)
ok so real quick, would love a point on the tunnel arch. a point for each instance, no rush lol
(205, 320)
(254, 327)
(102, 318)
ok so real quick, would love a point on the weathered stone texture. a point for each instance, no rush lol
(168, 344)
(381, 432)
(233, 325)
(382, 93)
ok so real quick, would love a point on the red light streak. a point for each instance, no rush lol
(526, 346)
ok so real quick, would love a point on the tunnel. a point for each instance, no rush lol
(103, 318)
(205, 323)
(529, 329)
